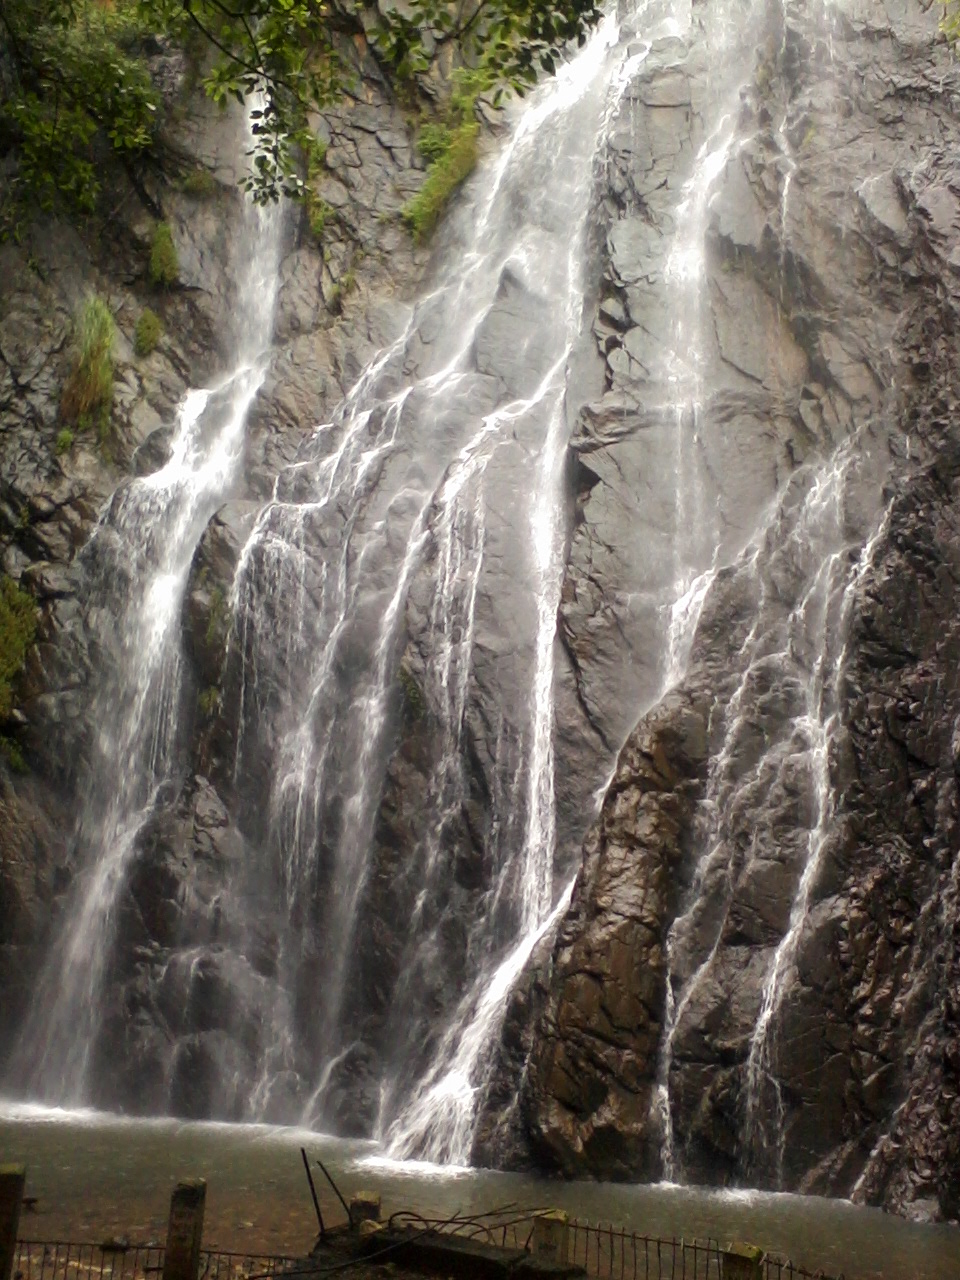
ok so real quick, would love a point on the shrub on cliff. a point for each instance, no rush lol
(88, 392)
(452, 147)
(18, 628)
(72, 78)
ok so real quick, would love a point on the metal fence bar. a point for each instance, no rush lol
(605, 1252)
(74, 1260)
(608, 1253)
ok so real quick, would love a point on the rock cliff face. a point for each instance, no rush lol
(753, 983)
(756, 978)
(171, 1028)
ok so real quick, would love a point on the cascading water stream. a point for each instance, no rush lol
(804, 642)
(825, 702)
(139, 559)
(404, 476)
(804, 540)
(438, 1121)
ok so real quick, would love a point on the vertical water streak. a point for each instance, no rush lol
(825, 724)
(139, 559)
(438, 1119)
(399, 474)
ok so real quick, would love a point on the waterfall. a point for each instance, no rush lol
(822, 725)
(437, 465)
(138, 560)
(778, 721)
(526, 515)
(437, 1121)
(801, 637)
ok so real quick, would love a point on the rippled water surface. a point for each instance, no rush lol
(94, 1175)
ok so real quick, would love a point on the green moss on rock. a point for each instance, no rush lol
(18, 629)
(414, 704)
(199, 183)
(164, 263)
(147, 333)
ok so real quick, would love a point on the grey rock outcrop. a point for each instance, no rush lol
(778, 939)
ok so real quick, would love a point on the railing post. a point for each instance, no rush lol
(551, 1237)
(12, 1179)
(740, 1261)
(364, 1207)
(181, 1261)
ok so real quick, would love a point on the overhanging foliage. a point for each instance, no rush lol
(77, 77)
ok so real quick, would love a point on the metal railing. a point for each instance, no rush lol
(604, 1252)
(612, 1253)
(73, 1260)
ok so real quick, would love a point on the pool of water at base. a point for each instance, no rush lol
(96, 1175)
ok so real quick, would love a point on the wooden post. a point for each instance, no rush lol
(12, 1179)
(551, 1235)
(741, 1262)
(181, 1261)
(364, 1207)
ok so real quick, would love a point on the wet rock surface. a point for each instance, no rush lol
(189, 989)
(753, 985)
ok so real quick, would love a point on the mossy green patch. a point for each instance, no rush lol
(209, 702)
(12, 752)
(218, 618)
(315, 150)
(18, 629)
(64, 441)
(319, 214)
(147, 333)
(414, 704)
(199, 183)
(164, 263)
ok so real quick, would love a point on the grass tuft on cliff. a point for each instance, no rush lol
(451, 168)
(147, 333)
(18, 629)
(88, 392)
(452, 147)
(164, 262)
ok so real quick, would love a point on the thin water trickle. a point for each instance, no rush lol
(823, 723)
(139, 559)
(801, 638)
